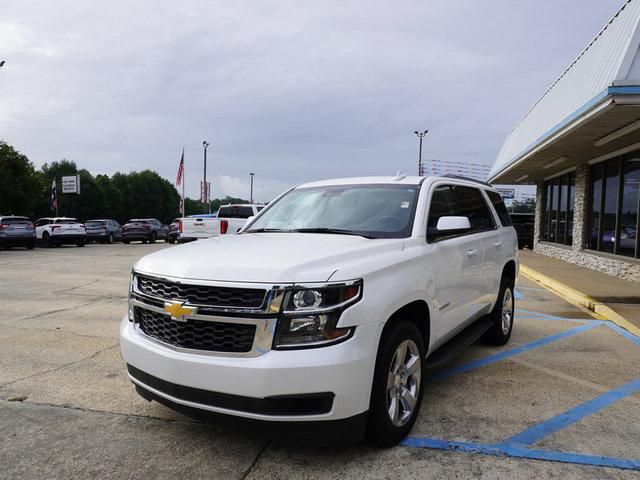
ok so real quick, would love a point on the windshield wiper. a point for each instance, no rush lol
(337, 231)
(266, 230)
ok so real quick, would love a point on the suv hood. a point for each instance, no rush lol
(264, 257)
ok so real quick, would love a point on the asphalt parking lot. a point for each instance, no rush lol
(560, 400)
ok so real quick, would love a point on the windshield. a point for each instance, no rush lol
(378, 211)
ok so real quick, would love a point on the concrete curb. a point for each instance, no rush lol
(600, 310)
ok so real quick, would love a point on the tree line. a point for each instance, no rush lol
(25, 190)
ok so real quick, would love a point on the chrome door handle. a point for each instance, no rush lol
(472, 253)
(497, 244)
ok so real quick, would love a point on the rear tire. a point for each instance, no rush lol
(153, 238)
(502, 315)
(80, 244)
(46, 240)
(398, 385)
(110, 240)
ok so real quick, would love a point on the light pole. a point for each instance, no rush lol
(251, 196)
(420, 166)
(205, 186)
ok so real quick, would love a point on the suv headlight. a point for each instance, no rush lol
(309, 315)
(132, 280)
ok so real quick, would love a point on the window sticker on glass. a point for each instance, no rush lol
(404, 205)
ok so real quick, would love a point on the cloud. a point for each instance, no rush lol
(293, 91)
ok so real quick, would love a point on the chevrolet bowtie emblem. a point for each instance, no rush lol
(178, 311)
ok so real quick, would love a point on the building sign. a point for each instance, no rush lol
(507, 192)
(71, 184)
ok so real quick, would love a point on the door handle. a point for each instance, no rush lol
(472, 253)
(497, 244)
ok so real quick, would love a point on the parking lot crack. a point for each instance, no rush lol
(60, 367)
(248, 471)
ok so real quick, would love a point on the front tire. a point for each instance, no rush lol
(46, 240)
(153, 238)
(502, 315)
(397, 389)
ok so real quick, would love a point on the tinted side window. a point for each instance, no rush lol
(498, 204)
(471, 204)
(442, 204)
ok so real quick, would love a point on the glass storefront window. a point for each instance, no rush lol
(615, 191)
(628, 227)
(595, 193)
(557, 218)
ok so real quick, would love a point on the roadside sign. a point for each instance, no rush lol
(507, 192)
(71, 184)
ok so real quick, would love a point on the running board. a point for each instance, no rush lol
(460, 342)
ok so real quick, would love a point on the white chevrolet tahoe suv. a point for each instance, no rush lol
(320, 319)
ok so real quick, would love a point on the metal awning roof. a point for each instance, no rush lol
(597, 94)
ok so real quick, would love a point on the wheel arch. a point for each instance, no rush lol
(509, 270)
(416, 312)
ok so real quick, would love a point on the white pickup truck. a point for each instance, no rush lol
(320, 319)
(229, 221)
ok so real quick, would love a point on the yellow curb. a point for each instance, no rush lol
(599, 310)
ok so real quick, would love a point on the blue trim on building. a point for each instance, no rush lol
(606, 93)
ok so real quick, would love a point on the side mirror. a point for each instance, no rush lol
(453, 224)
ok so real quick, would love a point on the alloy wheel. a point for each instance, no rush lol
(403, 383)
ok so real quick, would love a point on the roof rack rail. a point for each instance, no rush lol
(460, 177)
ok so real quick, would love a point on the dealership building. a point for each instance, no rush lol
(580, 144)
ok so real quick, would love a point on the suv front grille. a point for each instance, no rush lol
(202, 295)
(196, 334)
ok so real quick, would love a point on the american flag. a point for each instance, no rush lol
(180, 173)
(54, 196)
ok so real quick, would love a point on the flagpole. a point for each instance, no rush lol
(184, 178)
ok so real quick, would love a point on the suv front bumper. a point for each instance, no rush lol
(282, 391)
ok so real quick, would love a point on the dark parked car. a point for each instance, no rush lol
(103, 230)
(174, 231)
(144, 230)
(523, 223)
(17, 232)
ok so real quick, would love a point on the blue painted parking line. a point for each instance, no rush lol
(536, 289)
(518, 452)
(465, 367)
(518, 446)
(635, 339)
(528, 314)
(563, 420)
(516, 294)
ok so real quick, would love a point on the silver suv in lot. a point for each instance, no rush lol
(17, 232)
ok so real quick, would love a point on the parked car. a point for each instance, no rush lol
(144, 230)
(173, 234)
(229, 220)
(56, 231)
(321, 317)
(523, 223)
(17, 232)
(103, 230)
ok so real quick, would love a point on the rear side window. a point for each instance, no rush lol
(67, 221)
(498, 204)
(471, 204)
(235, 211)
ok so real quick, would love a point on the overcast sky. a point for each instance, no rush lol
(294, 91)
